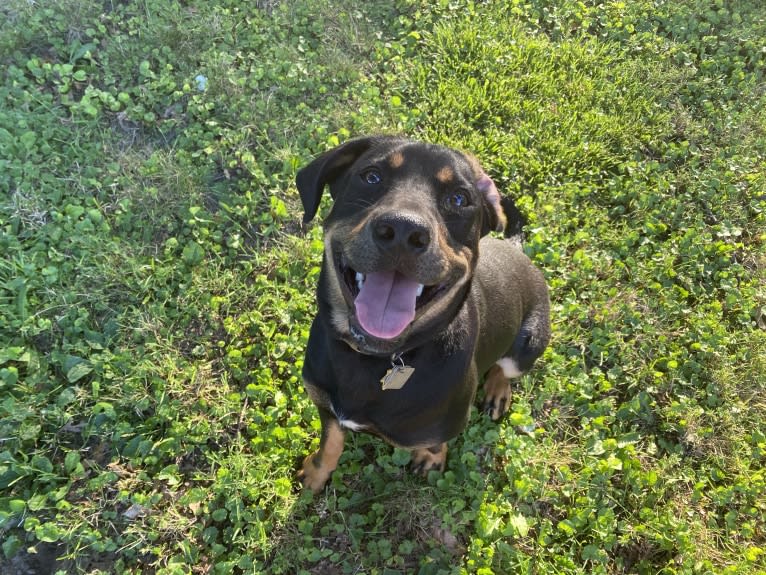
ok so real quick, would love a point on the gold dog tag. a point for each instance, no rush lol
(396, 377)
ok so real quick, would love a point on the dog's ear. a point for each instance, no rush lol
(325, 169)
(494, 215)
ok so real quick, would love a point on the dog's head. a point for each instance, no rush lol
(401, 240)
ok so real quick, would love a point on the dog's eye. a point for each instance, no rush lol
(372, 176)
(458, 200)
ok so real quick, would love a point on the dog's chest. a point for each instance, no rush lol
(408, 402)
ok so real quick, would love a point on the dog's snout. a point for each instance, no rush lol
(401, 232)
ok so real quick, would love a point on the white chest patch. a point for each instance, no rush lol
(350, 424)
(347, 423)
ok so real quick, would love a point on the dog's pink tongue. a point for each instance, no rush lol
(386, 304)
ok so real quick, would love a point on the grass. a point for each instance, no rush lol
(156, 286)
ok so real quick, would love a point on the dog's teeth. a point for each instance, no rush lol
(359, 280)
(420, 290)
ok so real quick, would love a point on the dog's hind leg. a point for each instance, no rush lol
(318, 466)
(527, 347)
(497, 387)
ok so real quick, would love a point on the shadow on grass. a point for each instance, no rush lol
(376, 516)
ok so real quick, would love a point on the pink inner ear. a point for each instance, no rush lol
(487, 187)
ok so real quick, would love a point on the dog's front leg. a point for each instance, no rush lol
(425, 459)
(318, 466)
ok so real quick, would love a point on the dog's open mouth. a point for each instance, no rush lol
(386, 302)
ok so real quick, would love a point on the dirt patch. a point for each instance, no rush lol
(42, 559)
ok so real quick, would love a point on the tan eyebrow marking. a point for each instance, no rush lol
(445, 175)
(396, 159)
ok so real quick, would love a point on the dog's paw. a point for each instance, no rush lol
(497, 393)
(425, 459)
(313, 475)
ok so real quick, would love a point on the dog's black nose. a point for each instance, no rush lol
(406, 232)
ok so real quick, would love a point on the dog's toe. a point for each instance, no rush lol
(425, 459)
(495, 408)
(497, 389)
(313, 475)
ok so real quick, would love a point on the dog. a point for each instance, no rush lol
(414, 303)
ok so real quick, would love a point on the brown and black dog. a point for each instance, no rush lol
(410, 315)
